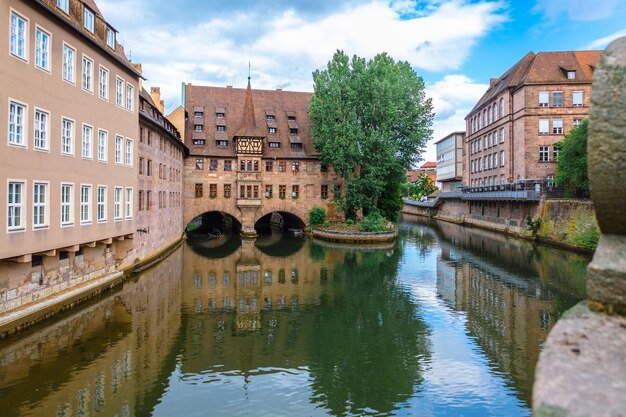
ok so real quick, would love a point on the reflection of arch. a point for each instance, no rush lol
(295, 212)
(215, 248)
(278, 245)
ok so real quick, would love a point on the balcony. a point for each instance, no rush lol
(248, 202)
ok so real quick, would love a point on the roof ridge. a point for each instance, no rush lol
(248, 124)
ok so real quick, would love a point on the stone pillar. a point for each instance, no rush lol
(606, 149)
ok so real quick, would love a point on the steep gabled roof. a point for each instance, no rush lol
(248, 124)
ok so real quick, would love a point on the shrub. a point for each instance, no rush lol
(349, 222)
(317, 216)
(326, 223)
(373, 222)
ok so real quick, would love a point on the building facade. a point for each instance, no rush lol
(513, 129)
(251, 154)
(159, 214)
(429, 168)
(68, 107)
(450, 161)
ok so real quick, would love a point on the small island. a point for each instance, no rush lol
(373, 229)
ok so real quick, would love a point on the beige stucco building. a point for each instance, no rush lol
(68, 163)
(513, 129)
(450, 161)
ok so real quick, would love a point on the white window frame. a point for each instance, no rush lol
(87, 78)
(85, 206)
(13, 205)
(67, 205)
(64, 5)
(577, 122)
(562, 99)
(101, 204)
(128, 203)
(110, 38)
(128, 152)
(581, 101)
(501, 158)
(544, 153)
(64, 137)
(117, 204)
(69, 65)
(13, 120)
(557, 126)
(41, 130)
(103, 83)
(89, 20)
(502, 135)
(544, 126)
(19, 51)
(39, 206)
(571, 75)
(130, 97)
(42, 49)
(119, 139)
(86, 150)
(102, 145)
(119, 92)
(544, 99)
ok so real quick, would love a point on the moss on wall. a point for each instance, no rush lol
(572, 222)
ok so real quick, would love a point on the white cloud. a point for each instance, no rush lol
(285, 48)
(603, 42)
(576, 9)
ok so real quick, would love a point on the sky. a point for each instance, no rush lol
(455, 45)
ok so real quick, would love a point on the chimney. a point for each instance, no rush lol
(138, 67)
(155, 95)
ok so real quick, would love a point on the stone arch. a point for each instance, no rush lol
(264, 211)
(194, 212)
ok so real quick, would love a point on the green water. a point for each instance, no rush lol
(447, 321)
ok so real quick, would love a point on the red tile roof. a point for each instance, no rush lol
(429, 165)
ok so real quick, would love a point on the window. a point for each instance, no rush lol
(101, 200)
(544, 126)
(282, 191)
(293, 131)
(272, 131)
(543, 153)
(212, 190)
(501, 107)
(291, 117)
(148, 200)
(268, 191)
(571, 75)
(198, 114)
(67, 137)
(88, 20)
(544, 99)
(274, 144)
(15, 205)
(324, 191)
(213, 165)
(555, 152)
(42, 49)
(502, 135)
(119, 92)
(198, 190)
(295, 166)
(39, 204)
(18, 36)
(198, 142)
(87, 131)
(102, 145)
(41, 129)
(577, 98)
(295, 191)
(117, 203)
(85, 204)
(130, 97)
(577, 122)
(140, 200)
(227, 188)
(141, 164)
(219, 115)
(64, 5)
(16, 123)
(228, 165)
(221, 128)
(557, 98)
(557, 126)
(199, 164)
(282, 166)
(103, 84)
(87, 74)
(221, 142)
(256, 166)
(129, 152)
(110, 38)
(68, 63)
(129, 203)
(67, 190)
(296, 146)
(502, 158)
(118, 149)
(269, 166)
(494, 158)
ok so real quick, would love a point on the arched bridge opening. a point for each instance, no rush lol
(279, 222)
(213, 224)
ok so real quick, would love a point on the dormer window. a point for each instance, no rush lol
(271, 117)
(198, 128)
(88, 20)
(221, 128)
(274, 144)
(219, 115)
(291, 117)
(110, 38)
(293, 131)
(197, 114)
(64, 5)
(571, 75)
(272, 130)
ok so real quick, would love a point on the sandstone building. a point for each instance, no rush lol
(68, 163)
(513, 129)
(251, 154)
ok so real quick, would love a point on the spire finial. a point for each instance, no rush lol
(249, 71)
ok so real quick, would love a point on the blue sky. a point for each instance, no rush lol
(457, 46)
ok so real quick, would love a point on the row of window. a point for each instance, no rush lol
(250, 278)
(145, 168)
(16, 204)
(223, 143)
(41, 135)
(557, 125)
(557, 99)
(165, 146)
(247, 165)
(43, 54)
(252, 191)
(222, 128)
(487, 162)
(487, 141)
(544, 153)
(88, 21)
(489, 115)
(488, 181)
(166, 199)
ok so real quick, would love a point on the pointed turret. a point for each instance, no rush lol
(248, 125)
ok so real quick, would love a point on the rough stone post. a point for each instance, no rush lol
(582, 367)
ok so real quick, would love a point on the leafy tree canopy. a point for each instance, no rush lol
(571, 171)
(370, 120)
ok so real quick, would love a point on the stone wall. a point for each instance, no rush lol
(571, 222)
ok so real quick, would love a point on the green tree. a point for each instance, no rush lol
(424, 185)
(571, 171)
(370, 120)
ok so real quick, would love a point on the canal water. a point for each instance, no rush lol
(448, 321)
